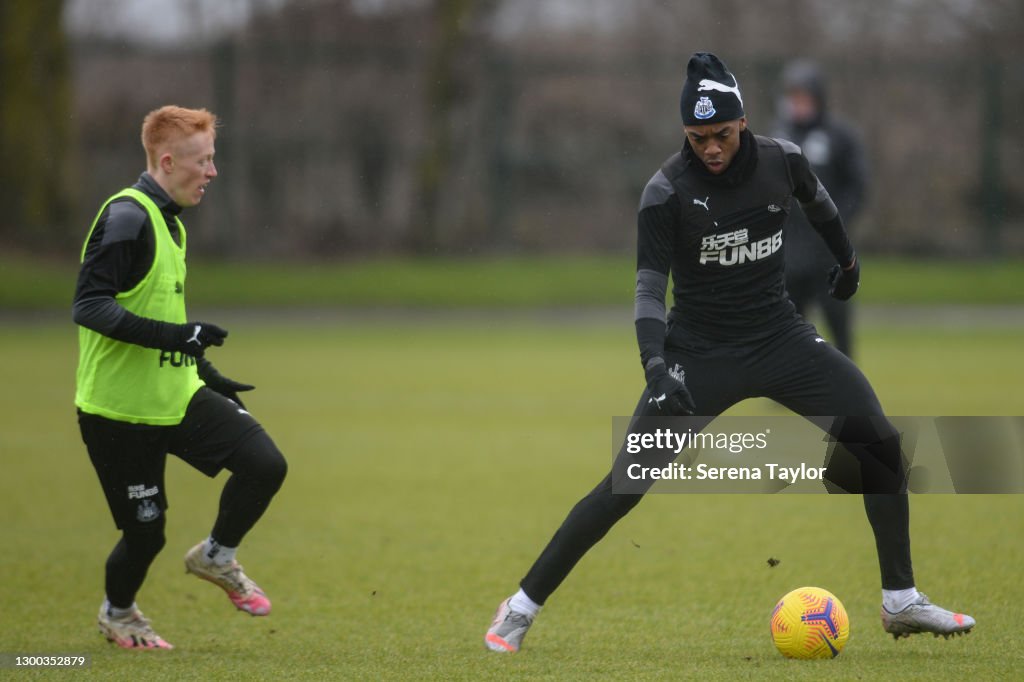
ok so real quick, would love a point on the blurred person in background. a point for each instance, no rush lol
(146, 389)
(836, 155)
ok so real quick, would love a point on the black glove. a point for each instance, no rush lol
(193, 338)
(668, 393)
(229, 388)
(843, 282)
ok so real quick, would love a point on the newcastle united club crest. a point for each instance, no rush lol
(148, 511)
(704, 109)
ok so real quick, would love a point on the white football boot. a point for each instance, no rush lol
(923, 616)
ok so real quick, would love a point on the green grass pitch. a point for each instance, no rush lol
(431, 461)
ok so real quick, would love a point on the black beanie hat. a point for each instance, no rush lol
(711, 93)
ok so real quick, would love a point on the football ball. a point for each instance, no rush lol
(810, 622)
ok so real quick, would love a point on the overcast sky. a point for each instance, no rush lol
(184, 21)
(159, 21)
(192, 21)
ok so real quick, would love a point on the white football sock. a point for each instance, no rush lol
(895, 601)
(217, 553)
(521, 603)
(117, 613)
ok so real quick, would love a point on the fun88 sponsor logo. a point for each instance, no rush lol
(735, 248)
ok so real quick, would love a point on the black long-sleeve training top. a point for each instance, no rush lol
(722, 239)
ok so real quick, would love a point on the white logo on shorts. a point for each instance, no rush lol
(138, 492)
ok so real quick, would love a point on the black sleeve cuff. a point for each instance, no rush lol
(104, 315)
(836, 239)
(143, 331)
(650, 336)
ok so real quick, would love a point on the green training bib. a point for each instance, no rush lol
(129, 383)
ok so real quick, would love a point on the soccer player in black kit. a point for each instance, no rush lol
(714, 216)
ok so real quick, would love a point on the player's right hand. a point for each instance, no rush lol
(193, 338)
(668, 394)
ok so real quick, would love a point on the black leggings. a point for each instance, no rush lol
(257, 472)
(806, 375)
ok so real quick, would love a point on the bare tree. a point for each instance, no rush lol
(35, 111)
(445, 75)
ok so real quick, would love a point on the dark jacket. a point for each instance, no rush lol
(836, 154)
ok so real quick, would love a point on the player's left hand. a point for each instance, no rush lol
(843, 282)
(229, 388)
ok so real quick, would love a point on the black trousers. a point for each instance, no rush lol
(797, 369)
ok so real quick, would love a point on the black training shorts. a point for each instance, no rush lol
(130, 458)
